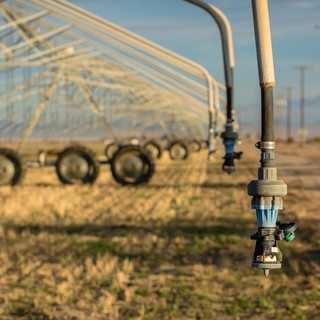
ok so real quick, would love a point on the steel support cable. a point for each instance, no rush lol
(15, 91)
(112, 86)
(53, 53)
(139, 108)
(155, 51)
(87, 93)
(50, 90)
(41, 37)
(186, 120)
(173, 85)
(163, 106)
(129, 37)
(54, 50)
(27, 134)
(6, 49)
(177, 102)
(153, 77)
(27, 19)
(190, 117)
(190, 84)
(54, 61)
(145, 59)
(32, 124)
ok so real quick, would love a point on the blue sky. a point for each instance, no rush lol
(190, 31)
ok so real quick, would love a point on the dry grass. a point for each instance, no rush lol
(177, 248)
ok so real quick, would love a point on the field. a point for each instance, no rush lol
(177, 248)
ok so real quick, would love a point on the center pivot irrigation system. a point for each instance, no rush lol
(68, 73)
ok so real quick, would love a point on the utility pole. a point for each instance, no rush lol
(302, 130)
(289, 111)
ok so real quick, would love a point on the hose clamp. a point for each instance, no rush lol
(265, 145)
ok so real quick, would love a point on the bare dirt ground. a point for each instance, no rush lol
(177, 248)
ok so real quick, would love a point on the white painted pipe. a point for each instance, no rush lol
(263, 43)
(226, 37)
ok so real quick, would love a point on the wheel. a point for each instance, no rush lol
(154, 149)
(11, 167)
(178, 150)
(111, 149)
(194, 146)
(77, 165)
(132, 165)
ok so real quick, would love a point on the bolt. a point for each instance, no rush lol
(266, 272)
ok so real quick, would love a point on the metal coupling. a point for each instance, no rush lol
(229, 134)
(265, 145)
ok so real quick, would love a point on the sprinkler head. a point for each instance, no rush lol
(266, 255)
(230, 138)
(228, 165)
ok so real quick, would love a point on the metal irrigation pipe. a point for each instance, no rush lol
(229, 135)
(227, 47)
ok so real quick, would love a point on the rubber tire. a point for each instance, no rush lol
(88, 155)
(109, 153)
(183, 145)
(144, 154)
(194, 145)
(154, 145)
(19, 168)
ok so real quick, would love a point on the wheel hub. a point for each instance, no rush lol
(74, 167)
(7, 170)
(132, 166)
(178, 152)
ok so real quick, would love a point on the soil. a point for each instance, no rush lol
(176, 248)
